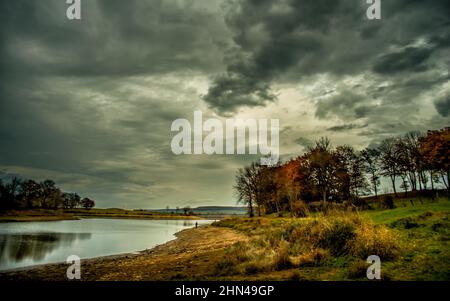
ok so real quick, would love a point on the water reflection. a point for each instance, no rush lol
(25, 244)
(35, 246)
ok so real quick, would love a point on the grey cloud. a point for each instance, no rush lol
(346, 127)
(408, 59)
(285, 41)
(114, 38)
(305, 142)
(346, 104)
(443, 106)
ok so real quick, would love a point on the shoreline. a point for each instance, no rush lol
(177, 258)
(46, 215)
(52, 218)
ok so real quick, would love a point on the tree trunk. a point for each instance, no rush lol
(420, 182)
(431, 178)
(277, 205)
(374, 181)
(448, 183)
(448, 179)
(405, 187)
(413, 180)
(444, 181)
(250, 207)
(393, 185)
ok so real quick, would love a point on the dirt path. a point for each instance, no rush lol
(191, 256)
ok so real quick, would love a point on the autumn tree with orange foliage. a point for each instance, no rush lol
(435, 151)
(326, 174)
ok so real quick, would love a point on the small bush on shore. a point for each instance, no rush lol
(374, 240)
(345, 234)
(331, 232)
(315, 257)
(282, 260)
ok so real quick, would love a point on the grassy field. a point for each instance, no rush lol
(37, 215)
(412, 241)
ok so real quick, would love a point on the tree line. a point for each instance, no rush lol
(19, 194)
(342, 174)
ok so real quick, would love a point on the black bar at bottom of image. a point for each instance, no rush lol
(222, 290)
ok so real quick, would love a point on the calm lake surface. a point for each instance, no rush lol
(31, 243)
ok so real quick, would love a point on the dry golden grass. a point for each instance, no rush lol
(308, 242)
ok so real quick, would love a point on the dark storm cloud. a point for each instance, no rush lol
(282, 41)
(443, 106)
(408, 59)
(114, 38)
(346, 104)
(270, 37)
(76, 104)
(121, 146)
(346, 127)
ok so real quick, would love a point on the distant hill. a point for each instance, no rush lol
(211, 210)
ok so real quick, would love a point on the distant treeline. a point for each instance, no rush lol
(19, 194)
(341, 174)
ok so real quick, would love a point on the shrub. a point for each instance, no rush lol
(300, 209)
(358, 270)
(313, 258)
(360, 203)
(226, 266)
(387, 202)
(239, 252)
(316, 206)
(336, 234)
(374, 240)
(282, 260)
(344, 234)
(235, 255)
(274, 238)
(331, 232)
(296, 276)
(254, 268)
(437, 227)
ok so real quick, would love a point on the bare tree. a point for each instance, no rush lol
(249, 187)
(322, 167)
(411, 141)
(389, 160)
(370, 161)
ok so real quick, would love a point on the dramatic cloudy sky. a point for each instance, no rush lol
(89, 103)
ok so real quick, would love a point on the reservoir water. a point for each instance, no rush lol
(32, 243)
